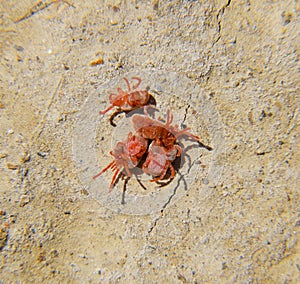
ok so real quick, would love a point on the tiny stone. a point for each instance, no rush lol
(2, 155)
(24, 200)
(54, 253)
(25, 157)
(12, 166)
(42, 154)
(297, 224)
(19, 48)
(98, 61)
(113, 23)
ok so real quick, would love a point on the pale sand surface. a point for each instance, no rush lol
(230, 68)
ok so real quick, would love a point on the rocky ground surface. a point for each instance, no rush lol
(242, 55)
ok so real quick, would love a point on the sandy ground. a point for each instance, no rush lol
(240, 59)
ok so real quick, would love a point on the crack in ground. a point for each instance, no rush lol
(219, 14)
(171, 197)
(186, 110)
(41, 5)
(179, 180)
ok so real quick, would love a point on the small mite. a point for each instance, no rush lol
(163, 149)
(128, 100)
(127, 155)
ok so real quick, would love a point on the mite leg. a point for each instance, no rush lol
(169, 118)
(167, 165)
(138, 83)
(127, 83)
(189, 134)
(111, 165)
(128, 173)
(106, 110)
(179, 150)
(113, 180)
(172, 171)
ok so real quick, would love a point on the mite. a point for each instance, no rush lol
(163, 149)
(127, 155)
(164, 133)
(159, 160)
(128, 100)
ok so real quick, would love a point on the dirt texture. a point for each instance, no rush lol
(240, 59)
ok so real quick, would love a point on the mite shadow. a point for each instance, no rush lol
(180, 161)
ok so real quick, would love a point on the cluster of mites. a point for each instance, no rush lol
(153, 146)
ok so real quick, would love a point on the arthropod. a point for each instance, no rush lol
(159, 160)
(153, 145)
(126, 101)
(163, 149)
(127, 154)
(165, 133)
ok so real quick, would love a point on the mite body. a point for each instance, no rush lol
(163, 149)
(128, 100)
(159, 160)
(127, 155)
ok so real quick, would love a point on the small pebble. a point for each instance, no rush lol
(12, 166)
(2, 155)
(97, 62)
(25, 157)
(113, 23)
(24, 200)
(297, 224)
